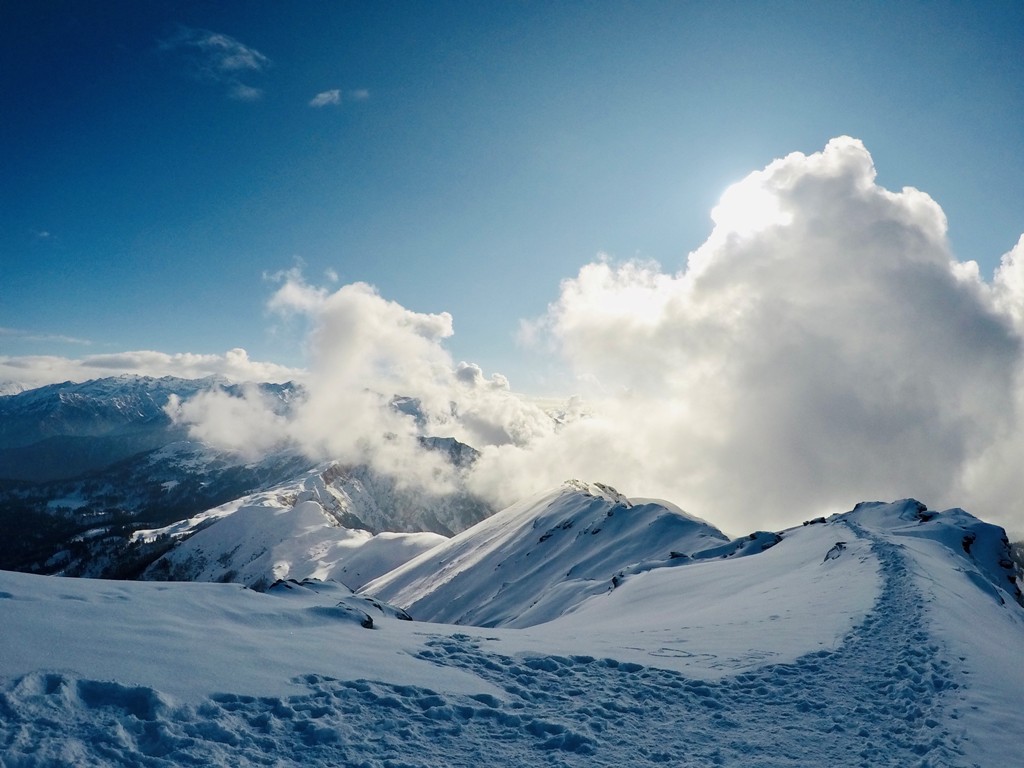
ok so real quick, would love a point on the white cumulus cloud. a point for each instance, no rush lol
(364, 351)
(822, 347)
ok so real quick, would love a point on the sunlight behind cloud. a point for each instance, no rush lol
(822, 347)
(747, 207)
(845, 355)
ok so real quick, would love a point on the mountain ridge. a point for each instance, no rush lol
(540, 557)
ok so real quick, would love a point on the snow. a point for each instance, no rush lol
(537, 559)
(713, 618)
(273, 536)
(311, 527)
(899, 649)
(191, 640)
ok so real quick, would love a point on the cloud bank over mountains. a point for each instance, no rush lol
(30, 371)
(822, 346)
(826, 346)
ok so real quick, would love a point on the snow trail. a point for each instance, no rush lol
(883, 698)
(880, 699)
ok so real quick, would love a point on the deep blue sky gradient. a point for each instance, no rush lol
(501, 147)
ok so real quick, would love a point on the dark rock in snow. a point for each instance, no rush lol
(835, 552)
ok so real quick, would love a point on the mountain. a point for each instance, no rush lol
(83, 526)
(575, 628)
(63, 431)
(84, 464)
(540, 557)
(312, 527)
(84, 467)
(888, 635)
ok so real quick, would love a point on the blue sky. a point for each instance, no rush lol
(161, 159)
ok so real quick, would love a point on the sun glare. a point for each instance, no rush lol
(747, 207)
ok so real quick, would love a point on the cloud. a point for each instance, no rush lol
(228, 54)
(1008, 285)
(235, 364)
(24, 335)
(248, 425)
(472, 375)
(326, 98)
(219, 58)
(822, 347)
(333, 97)
(218, 53)
(240, 92)
(365, 350)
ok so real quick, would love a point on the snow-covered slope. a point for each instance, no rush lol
(539, 558)
(263, 542)
(82, 465)
(875, 638)
(297, 530)
(83, 527)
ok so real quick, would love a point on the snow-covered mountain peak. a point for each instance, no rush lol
(537, 559)
(333, 521)
(287, 533)
(599, 490)
(980, 549)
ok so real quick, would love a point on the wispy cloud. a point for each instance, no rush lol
(240, 92)
(24, 335)
(219, 58)
(228, 54)
(326, 98)
(334, 97)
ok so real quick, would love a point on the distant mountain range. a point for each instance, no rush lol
(65, 431)
(83, 467)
